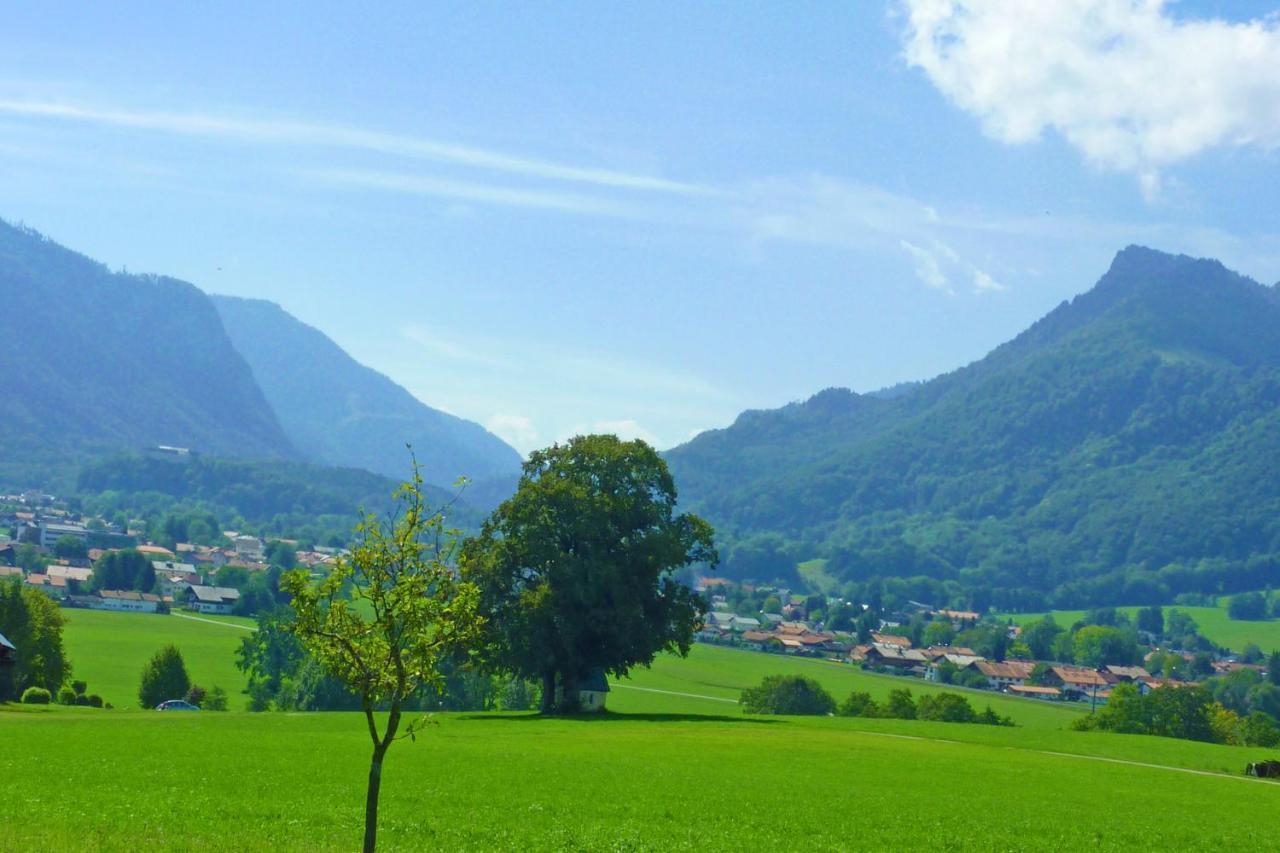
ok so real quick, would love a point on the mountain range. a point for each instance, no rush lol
(101, 362)
(1121, 449)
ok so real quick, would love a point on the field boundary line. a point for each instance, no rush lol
(1215, 774)
(215, 622)
(677, 693)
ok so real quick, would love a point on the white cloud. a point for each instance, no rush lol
(516, 430)
(984, 283)
(341, 136)
(624, 428)
(1130, 85)
(448, 188)
(928, 267)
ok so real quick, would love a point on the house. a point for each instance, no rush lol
(212, 599)
(1076, 681)
(1035, 691)
(956, 660)
(249, 547)
(593, 691)
(52, 587)
(10, 571)
(7, 651)
(125, 600)
(1115, 674)
(756, 640)
(155, 551)
(1002, 674)
(742, 624)
(959, 618)
(890, 640)
(894, 657)
(77, 574)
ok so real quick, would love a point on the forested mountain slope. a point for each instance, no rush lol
(340, 412)
(1123, 448)
(97, 361)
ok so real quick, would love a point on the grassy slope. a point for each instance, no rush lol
(721, 673)
(109, 650)
(1213, 622)
(295, 781)
(515, 782)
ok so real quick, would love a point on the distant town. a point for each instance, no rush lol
(882, 642)
(61, 552)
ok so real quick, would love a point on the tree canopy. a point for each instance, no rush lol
(576, 569)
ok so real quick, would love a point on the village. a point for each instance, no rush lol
(56, 551)
(879, 644)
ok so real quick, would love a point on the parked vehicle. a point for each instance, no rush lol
(176, 705)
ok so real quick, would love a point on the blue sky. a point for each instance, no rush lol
(553, 218)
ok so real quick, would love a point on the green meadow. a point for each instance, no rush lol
(1213, 622)
(674, 764)
(620, 782)
(109, 650)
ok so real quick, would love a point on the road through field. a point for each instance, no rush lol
(215, 622)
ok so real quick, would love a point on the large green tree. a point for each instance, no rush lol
(576, 569)
(387, 620)
(33, 623)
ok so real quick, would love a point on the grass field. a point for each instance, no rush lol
(1212, 621)
(625, 782)
(673, 765)
(109, 650)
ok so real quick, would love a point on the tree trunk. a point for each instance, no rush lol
(569, 703)
(371, 800)
(548, 703)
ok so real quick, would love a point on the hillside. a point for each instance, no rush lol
(340, 412)
(277, 496)
(100, 361)
(1120, 449)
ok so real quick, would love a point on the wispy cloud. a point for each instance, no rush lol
(927, 265)
(448, 188)
(342, 136)
(812, 209)
(516, 430)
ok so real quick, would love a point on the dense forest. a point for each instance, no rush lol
(1122, 449)
(295, 499)
(106, 360)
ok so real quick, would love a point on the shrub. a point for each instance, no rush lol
(196, 695)
(1247, 605)
(36, 696)
(82, 700)
(989, 717)
(215, 699)
(787, 694)
(945, 707)
(95, 701)
(860, 704)
(66, 696)
(900, 704)
(79, 687)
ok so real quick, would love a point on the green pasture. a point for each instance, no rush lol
(711, 678)
(622, 782)
(108, 650)
(1213, 623)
